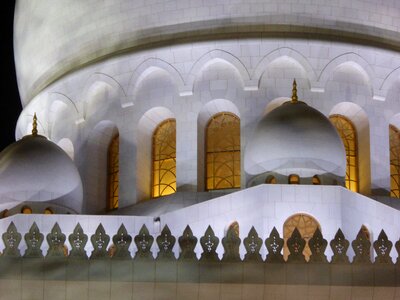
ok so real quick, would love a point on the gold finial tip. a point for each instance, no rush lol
(294, 92)
(34, 125)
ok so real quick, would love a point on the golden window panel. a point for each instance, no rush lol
(394, 138)
(294, 179)
(164, 159)
(306, 225)
(223, 152)
(113, 173)
(348, 134)
(316, 180)
(270, 180)
(26, 210)
(48, 211)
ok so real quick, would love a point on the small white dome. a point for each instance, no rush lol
(295, 138)
(36, 169)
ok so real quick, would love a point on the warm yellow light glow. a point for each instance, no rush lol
(270, 180)
(223, 152)
(348, 134)
(394, 137)
(48, 211)
(316, 180)
(294, 179)
(164, 159)
(306, 226)
(113, 173)
(26, 210)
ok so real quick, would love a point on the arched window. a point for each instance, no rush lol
(306, 225)
(26, 210)
(48, 211)
(316, 180)
(270, 180)
(223, 152)
(394, 138)
(348, 134)
(294, 179)
(113, 173)
(164, 159)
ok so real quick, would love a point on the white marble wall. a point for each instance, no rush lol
(53, 38)
(191, 80)
(264, 207)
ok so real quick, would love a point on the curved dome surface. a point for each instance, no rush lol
(295, 138)
(36, 169)
(53, 38)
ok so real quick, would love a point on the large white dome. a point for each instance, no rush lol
(35, 169)
(295, 138)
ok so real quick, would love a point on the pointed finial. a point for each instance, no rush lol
(34, 125)
(294, 92)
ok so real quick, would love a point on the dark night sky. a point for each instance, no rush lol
(10, 104)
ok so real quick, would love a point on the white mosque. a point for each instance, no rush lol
(187, 113)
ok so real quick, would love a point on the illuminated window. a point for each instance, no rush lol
(270, 180)
(48, 211)
(394, 137)
(164, 159)
(316, 180)
(294, 179)
(306, 226)
(113, 173)
(348, 134)
(223, 152)
(26, 210)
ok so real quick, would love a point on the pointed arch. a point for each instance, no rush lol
(164, 159)
(350, 58)
(106, 79)
(144, 158)
(211, 57)
(388, 82)
(290, 53)
(210, 109)
(95, 174)
(223, 152)
(359, 120)
(146, 68)
(348, 134)
(306, 225)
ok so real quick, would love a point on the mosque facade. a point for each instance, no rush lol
(228, 133)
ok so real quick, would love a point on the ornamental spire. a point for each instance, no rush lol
(294, 92)
(34, 125)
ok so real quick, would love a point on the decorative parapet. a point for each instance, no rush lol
(122, 240)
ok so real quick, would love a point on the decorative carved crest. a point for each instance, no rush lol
(397, 246)
(187, 242)
(274, 244)
(296, 246)
(253, 244)
(56, 240)
(165, 242)
(209, 242)
(143, 242)
(231, 243)
(361, 246)
(122, 240)
(11, 239)
(100, 242)
(382, 248)
(33, 240)
(78, 241)
(318, 246)
(339, 247)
